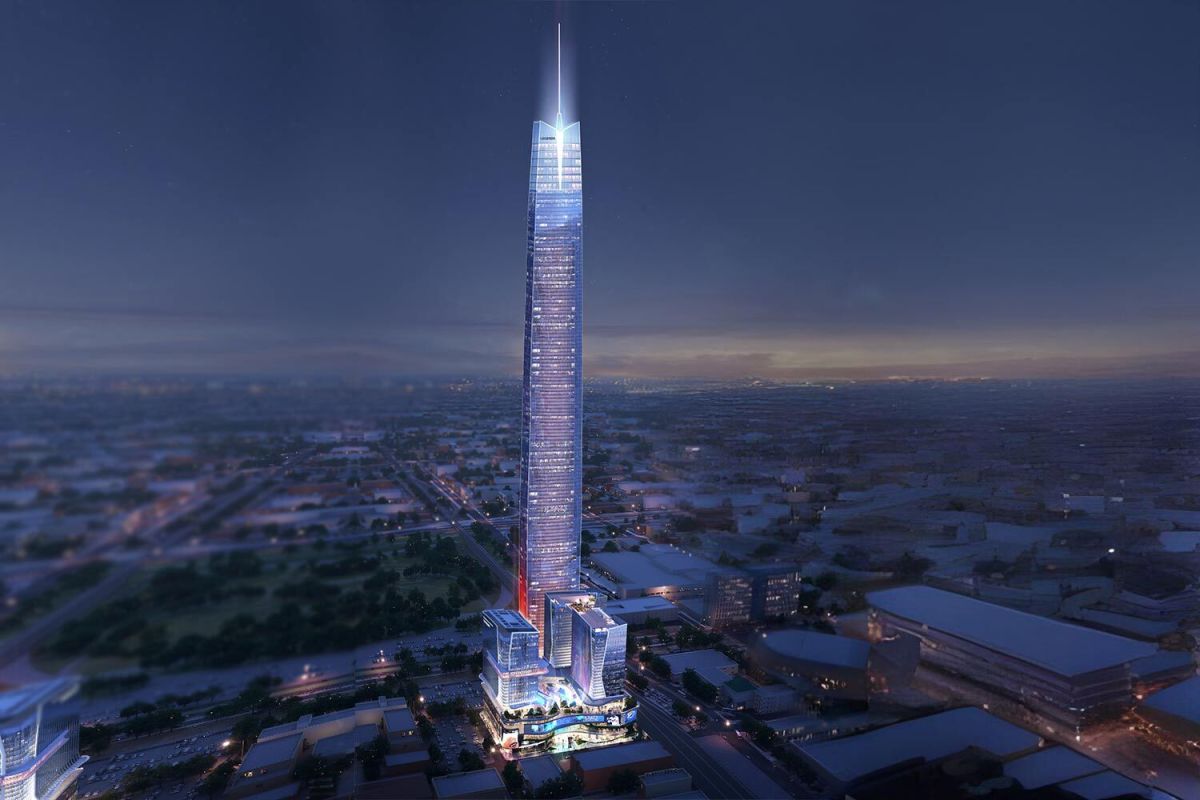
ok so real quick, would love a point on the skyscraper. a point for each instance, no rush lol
(552, 413)
(573, 696)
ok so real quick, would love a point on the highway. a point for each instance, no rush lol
(709, 777)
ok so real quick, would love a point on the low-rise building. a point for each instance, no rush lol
(1174, 714)
(1069, 673)
(267, 764)
(854, 762)
(701, 661)
(640, 610)
(485, 784)
(596, 767)
(665, 783)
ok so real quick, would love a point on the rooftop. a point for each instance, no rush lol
(508, 619)
(407, 757)
(1057, 646)
(539, 769)
(820, 648)
(272, 751)
(1105, 786)
(656, 565)
(926, 738)
(397, 720)
(639, 605)
(1181, 700)
(21, 701)
(619, 754)
(597, 618)
(462, 783)
(1162, 661)
(699, 659)
(1050, 766)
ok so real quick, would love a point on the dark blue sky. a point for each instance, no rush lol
(778, 189)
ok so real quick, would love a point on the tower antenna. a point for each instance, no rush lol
(560, 116)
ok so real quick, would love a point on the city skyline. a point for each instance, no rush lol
(936, 193)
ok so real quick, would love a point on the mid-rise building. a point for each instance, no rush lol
(511, 663)
(776, 591)
(39, 741)
(729, 599)
(598, 660)
(560, 610)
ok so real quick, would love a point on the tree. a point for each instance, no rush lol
(215, 782)
(661, 668)
(514, 781)
(624, 781)
(610, 546)
(469, 760)
(699, 687)
(566, 785)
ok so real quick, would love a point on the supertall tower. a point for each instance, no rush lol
(552, 413)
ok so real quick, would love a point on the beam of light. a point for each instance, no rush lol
(558, 120)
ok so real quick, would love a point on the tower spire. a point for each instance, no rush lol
(559, 120)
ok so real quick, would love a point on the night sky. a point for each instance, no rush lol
(781, 190)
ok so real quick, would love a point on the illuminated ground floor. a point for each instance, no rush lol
(559, 721)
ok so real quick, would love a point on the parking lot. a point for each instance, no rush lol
(106, 772)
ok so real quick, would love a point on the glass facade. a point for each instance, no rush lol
(598, 657)
(559, 614)
(39, 742)
(511, 663)
(552, 417)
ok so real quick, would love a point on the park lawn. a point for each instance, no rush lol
(280, 567)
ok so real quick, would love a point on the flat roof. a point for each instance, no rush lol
(639, 604)
(407, 757)
(284, 792)
(1050, 766)
(272, 751)
(598, 618)
(21, 701)
(1105, 786)
(657, 565)
(927, 738)
(619, 754)
(1181, 700)
(739, 684)
(508, 619)
(1057, 646)
(539, 769)
(819, 648)
(479, 780)
(398, 719)
(1162, 661)
(699, 659)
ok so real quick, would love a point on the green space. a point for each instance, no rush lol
(235, 607)
(43, 600)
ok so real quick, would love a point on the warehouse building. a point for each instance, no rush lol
(1067, 673)
(914, 749)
